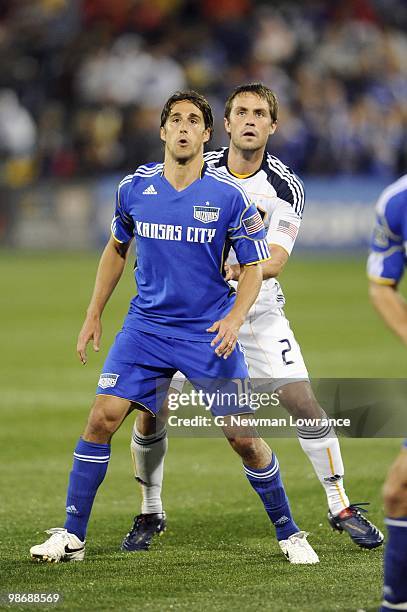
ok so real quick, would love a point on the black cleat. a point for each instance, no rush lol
(362, 531)
(145, 527)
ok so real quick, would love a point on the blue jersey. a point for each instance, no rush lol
(182, 241)
(387, 258)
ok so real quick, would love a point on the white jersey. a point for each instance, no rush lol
(279, 196)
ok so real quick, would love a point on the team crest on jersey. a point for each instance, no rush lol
(107, 379)
(207, 213)
(380, 237)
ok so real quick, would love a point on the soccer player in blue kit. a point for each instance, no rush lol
(386, 265)
(184, 216)
(272, 351)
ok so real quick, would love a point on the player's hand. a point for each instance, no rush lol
(226, 338)
(232, 271)
(91, 329)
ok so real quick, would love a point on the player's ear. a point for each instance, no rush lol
(206, 135)
(273, 127)
(227, 125)
(162, 134)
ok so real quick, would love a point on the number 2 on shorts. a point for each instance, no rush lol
(285, 351)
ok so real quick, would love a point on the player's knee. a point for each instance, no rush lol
(102, 424)
(99, 430)
(300, 401)
(300, 411)
(308, 410)
(247, 448)
(147, 424)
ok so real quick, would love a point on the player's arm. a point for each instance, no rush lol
(281, 236)
(247, 291)
(227, 329)
(248, 237)
(270, 269)
(391, 306)
(110, 269)
(385, 269)
(274, 267)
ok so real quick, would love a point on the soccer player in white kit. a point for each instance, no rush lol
(272, 351)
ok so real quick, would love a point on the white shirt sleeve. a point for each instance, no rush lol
(232, 259)
(284, 225)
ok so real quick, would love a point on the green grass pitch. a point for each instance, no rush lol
(219, 552)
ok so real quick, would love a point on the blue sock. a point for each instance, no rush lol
(88, 471)
(268, 485)
(395, 563)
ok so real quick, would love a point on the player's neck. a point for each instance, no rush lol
(244, 162)
(181, 175)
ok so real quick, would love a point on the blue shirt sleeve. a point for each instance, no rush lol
(247, 233)
(122, 223)
(386, 262)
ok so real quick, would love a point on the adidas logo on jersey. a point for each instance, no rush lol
(150, 191)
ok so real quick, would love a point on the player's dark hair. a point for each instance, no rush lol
(259, 90)
(191, 96)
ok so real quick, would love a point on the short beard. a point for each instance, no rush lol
(248, 151)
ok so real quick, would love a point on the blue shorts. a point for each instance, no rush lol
(139, 367)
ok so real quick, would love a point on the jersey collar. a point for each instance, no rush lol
(243, 176)
(191, 186)
(201, 174)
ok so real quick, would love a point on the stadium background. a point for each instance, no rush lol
(82, 84)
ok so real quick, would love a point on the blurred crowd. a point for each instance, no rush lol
(82, 82)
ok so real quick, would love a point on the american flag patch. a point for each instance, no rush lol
(287, 228)
(253, 224)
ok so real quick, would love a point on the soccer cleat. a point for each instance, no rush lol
(145, 527)
(360, 529)
(298, 550)
(61, 546)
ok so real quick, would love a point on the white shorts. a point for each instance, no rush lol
(272, 352)
(273, 355)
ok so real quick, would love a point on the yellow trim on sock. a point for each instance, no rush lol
(340, 494)
(331, 463)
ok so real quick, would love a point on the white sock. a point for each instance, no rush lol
(322, 448)
(148, 454)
